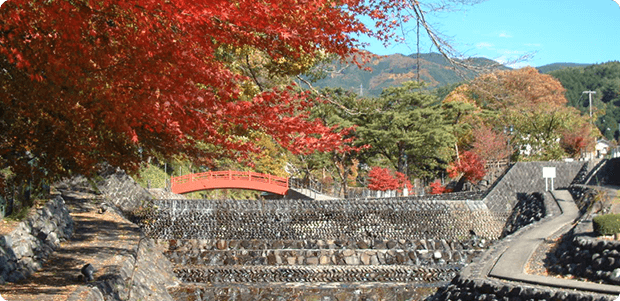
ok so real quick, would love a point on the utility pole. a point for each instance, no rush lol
(590, 98)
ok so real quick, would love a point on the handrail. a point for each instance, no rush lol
(230, 175)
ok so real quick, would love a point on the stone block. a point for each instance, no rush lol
(614, 277)
(362, 245)
(374, 260)
(291, 260)
(271, 259)
(324, 260)
(221, 244)
(352, 260)
(312, 260)
(365, 258)
(348, 253)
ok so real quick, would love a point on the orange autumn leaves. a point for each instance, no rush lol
(522, 113)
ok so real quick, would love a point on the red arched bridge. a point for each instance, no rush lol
(229, 179)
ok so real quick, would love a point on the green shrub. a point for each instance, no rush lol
(607, 224)
(153, 174)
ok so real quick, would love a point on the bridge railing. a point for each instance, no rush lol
(310, 184)
(231, 175)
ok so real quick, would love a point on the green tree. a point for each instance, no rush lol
(338, 110)
(407, 127)
(539, 131)
(605, 80)
(530, 103)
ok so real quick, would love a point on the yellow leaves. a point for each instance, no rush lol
(462, 94)
(521, 87)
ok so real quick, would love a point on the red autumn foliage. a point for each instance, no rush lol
(470, 166)
(383, 179)
(576, 142)
(436, 188)
(490, 145)
(403, 181)
(90, 81)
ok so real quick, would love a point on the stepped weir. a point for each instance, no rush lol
(379, 248)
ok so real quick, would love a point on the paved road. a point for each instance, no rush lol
(511, 264)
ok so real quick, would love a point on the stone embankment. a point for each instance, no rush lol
(371, 248)
(54, 243)
(365, 219)
(23, 251)
(401, 244)
(213, 261)
(579, 256)
(589, 258)
(145, 274)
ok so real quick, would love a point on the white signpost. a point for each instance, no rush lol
(548, 173)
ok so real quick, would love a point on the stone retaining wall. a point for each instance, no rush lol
(589, 258)
(526, 178)
(121, 190)
(529, 209)
(23, 251)
(578, 256)
(609, 173)
(303, 291)
(328, 252)
(144, 274)
(583, 256)
(355, 220)
(304, 274)
(467, 288)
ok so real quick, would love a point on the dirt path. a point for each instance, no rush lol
(98, 239)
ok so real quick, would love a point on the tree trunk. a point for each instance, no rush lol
(402, 160)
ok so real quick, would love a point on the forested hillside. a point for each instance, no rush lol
(558, 66)
(393, 70)
(604, 79)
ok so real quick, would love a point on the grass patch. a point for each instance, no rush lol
(607, 224)
(19, 215)
(150, 173)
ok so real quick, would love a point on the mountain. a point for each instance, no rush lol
(392, 70)
(559, 66)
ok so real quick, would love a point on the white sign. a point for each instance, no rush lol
(548, 172)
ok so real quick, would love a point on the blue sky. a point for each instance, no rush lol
(575, 31)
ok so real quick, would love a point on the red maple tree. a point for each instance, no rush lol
(437, 188)
(470, 167)
(384, 179)
(89, 81)
(490, 145)
(576, 142)
(403, 181)
(380, 178)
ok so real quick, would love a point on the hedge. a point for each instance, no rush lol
(607, 224)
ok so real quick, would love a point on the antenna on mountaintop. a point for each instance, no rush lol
(361, 89)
